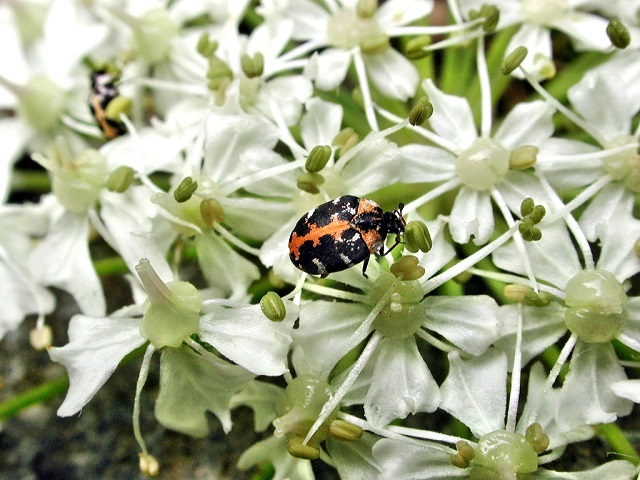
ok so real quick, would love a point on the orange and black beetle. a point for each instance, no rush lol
(103, 91)
(343, 232)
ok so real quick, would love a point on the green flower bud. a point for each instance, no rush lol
(421, 111)
(273, 307)
(343, 430)
(252, 66)
(407, 268)
(527, 206)
(514, 59)
(491, 16)
(366, 8)
(463, 277)
(636, 248)
(416, 237)
(120, 179)
(523, 157)
(298, 450)
(218, 72)
(309, 182)
(415, 48)
(537, 438)
(211, 211)
(318, 158)
(184, 191)
(118, 106)
(618, 34)
(375, 43)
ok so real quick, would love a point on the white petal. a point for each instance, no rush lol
(192, 385)
(62, 259)
(289, 94)
(328, 68)
(373, 167)
(586, 396)
(475, 391)
(441, 253)
(527, 124)
(14, 135)
(255, 218)
(629, 389)
(542, 327)
(321, 122)
(402, 12)
(392, 74)
(96, 347)
(247, 337)
(262, 398)
(618, 241)
(588, 31)
(537, 40)
(630, 335)
(324, 330)
(354, 460)
(452, 118)
(614, 470)
(553, 258)
(422, 163)
(401, 383)
(596, 218)
(128, 217)
(404, 460)
(469, 322)
(274, 451)
(472, 215)
(566, 173)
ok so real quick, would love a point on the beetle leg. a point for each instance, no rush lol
(364, 267)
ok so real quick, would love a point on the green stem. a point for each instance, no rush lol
(33, 396)
(619, 443)
(33, 181)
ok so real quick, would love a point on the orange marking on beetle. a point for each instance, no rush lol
(333, 229)
(100, 115)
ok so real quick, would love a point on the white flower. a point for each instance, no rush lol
(537, 19)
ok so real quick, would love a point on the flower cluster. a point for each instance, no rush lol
(204, 150)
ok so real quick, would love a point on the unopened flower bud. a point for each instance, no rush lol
(375, 43)
(458, 460)
(407, 268)
(421, 111)
(309, 182)
(184, 191)
(149, 466)
(318, 158)
(417, 237)
(343, 430)
(366, 8)
(618, 34)
(490, 14)
(252, 66)
(523, 157)
(514, 59)
(298, 450)
(120, 179)
(415, 48)
(537, 438)
(273, 307)
(211, 211)
(529, 231)
(218, 73)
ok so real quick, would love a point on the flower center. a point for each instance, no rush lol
(483, 164)
(596, 310)
(506, 453)
(42, 103)
(543, 11)
(624, 166)
(347, 30)
(402, 316)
